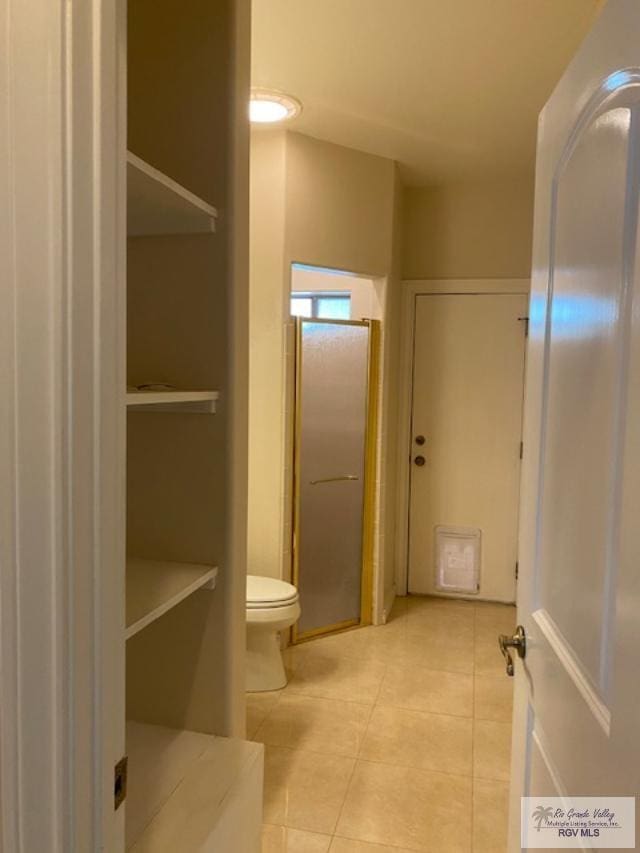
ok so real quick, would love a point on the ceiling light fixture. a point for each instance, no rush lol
(268, 107)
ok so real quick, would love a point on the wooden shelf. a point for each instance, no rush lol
(187, 790)
(154, 587)
(173, 401)
(156, 204)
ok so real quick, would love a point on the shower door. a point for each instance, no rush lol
(336, 366)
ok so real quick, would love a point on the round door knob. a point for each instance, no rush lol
(420, 460)
(420, 439)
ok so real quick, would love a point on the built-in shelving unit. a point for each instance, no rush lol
(156, 204)
(155, 586)
(172, 401)
(192, 783)
(187, 790)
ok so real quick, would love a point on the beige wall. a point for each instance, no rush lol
(480, 230)
(340, 207)
(267, 306)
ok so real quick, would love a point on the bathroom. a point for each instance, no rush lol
(349, 705)
(319, 360)
(381, 708)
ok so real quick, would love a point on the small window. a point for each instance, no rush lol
(323, 306)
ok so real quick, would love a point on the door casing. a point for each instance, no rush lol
(62, 144)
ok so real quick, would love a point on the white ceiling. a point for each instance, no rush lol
(451, 89)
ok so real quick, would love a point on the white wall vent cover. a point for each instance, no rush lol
(458, 559)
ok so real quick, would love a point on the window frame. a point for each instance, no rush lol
(315, 296)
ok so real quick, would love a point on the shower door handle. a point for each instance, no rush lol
(334, 479)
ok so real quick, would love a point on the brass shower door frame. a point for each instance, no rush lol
(370, 474)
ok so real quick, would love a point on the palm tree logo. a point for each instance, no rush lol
(540, 814)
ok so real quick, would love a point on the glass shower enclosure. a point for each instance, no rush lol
(334, 480)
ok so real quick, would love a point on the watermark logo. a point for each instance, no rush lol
(582, 822)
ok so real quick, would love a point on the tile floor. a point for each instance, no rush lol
(392, 738)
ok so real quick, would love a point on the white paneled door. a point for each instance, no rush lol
(578, 687)
(468, 371)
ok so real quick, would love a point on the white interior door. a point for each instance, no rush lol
(466, 430)
(578, 688)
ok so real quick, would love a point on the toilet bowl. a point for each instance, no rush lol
(272, 606)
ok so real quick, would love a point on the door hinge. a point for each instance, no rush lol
(517, 568)
(525, 320)
(120, 782)
(521, 449)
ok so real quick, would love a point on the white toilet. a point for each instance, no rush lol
(272, 606)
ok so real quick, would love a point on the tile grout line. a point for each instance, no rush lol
(374, 704)
(357, 757)
(473, 731)
(422, 769)
(325, 698)
(413, 710)
(388, 844)
(266, 716)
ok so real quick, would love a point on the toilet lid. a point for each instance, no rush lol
(269, 592)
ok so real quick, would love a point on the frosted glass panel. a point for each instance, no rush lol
(333, 415)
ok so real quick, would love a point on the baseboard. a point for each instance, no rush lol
(389, 598)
